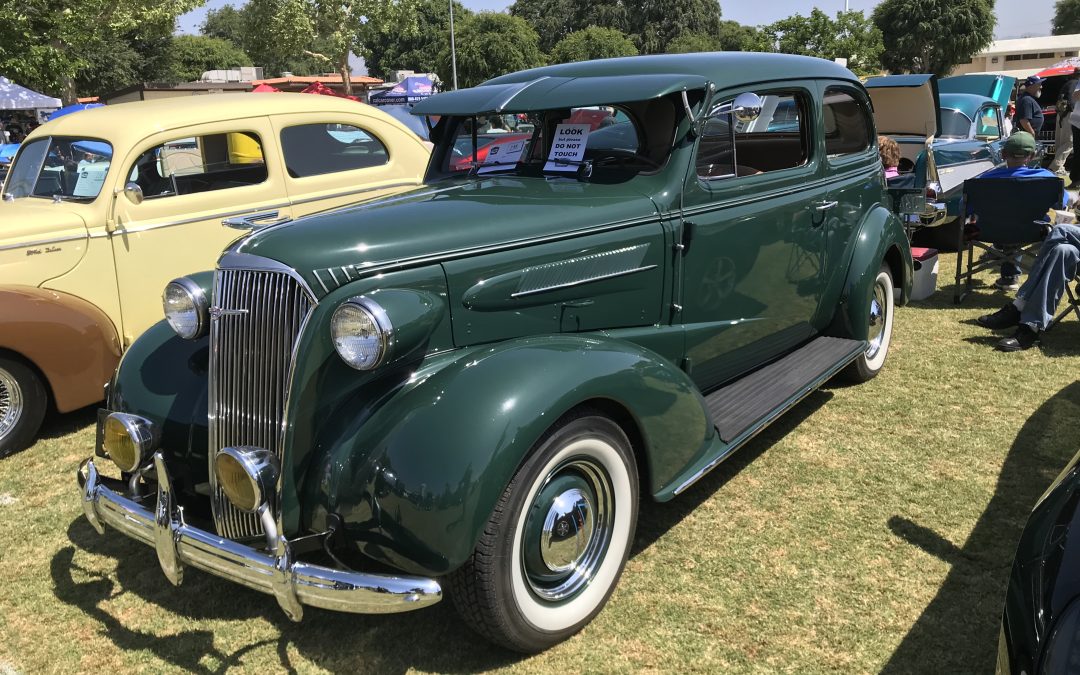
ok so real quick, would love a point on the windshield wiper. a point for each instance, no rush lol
(78, 199)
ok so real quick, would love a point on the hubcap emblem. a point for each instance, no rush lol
(567, 530)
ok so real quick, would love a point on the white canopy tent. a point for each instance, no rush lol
(15, 97)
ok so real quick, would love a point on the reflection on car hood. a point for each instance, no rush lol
(442, 221)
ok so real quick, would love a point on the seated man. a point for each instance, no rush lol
(1037, 300)
(1018, 151)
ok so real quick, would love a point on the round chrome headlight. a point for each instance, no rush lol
(186, 308)
(246, 475)
(128, 440)
(361, 332)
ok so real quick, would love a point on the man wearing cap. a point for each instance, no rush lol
(1036, 301)
(1029, 116)
(1063, 136)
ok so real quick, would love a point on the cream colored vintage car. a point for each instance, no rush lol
(101, 209)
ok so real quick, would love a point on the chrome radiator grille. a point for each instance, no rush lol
(256, 319)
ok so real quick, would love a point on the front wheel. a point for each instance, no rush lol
(556, 544)
(879, 335)
(22, 405)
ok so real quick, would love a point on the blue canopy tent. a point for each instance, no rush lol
(74, 107)
(410, 90)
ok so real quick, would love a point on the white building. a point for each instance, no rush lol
(1022, 57)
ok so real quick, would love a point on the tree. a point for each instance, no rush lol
(693, 42)
(325, 30)
(137, 55)
(592, 43)
(851, 36)
(1066, 17)
(228, 23)
(46, 43)
(490, 44)
(933, 36)
(388, 47)
(554, 20)
(657, 23)
(733, 37)
(192, 55)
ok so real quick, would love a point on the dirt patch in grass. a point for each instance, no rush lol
(870, 529)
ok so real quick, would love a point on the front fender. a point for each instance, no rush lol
(880, 240)
(415, 480)
(71, 341)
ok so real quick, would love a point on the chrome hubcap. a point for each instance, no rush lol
(11, 403)
(878, 307)
(568, 529)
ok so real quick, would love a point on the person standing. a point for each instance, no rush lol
(1063, 137)
(1029, 116)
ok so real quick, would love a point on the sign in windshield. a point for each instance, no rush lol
(60, 168)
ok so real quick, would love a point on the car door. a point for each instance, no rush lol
(752, 263)
(191, 181)
(332, 159)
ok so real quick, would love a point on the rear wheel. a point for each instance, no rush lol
(22, 405)
(879, 335)
(556, 544)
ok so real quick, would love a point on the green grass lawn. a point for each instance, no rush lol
(872, 528)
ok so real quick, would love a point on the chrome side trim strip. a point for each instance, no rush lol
(124, 229)
(43, 242)
(388, 186)
(581, 282)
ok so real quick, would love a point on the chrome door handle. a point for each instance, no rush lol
(825, 206)
(254, 220)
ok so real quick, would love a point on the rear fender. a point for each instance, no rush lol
(880, 240)
(416, 478)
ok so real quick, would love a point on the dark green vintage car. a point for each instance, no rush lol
(472, 385)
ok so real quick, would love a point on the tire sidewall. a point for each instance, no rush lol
(537, 623)
(34, 400)
(884, 277)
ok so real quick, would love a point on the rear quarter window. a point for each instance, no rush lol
(317, 149)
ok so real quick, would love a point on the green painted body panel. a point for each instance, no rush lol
(515, 299)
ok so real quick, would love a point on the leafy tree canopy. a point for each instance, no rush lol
(490, 44)
(933, 36)
(1066, 17)
(228, 23)
(592, 43)
(192, 55)
(851, 36)
(416, 47)
(137, 55)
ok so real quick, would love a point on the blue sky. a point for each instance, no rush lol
(1015, 18)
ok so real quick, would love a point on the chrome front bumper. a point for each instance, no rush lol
(292, 582)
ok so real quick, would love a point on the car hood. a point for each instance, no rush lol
(443, 221)
(997, 87)
(906, 104)
(38, 220)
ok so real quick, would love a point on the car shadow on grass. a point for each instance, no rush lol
(336, 641)
(58, 424)
(654, 519)
(957, 632)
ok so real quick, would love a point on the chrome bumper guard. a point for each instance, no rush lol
(292, 582)
(934, 214)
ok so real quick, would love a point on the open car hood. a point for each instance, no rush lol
(997, 87)
(906, 105)
(545, 93)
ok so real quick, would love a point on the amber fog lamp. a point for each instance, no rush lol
(128, 440)
(246, 475)
(186, 308)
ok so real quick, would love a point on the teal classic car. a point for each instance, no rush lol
(948, 130)
(472, 385)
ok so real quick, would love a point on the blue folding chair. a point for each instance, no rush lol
(1009, 223)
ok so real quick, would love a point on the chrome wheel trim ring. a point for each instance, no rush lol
(11, 403)
(878, 308)
(586, 520)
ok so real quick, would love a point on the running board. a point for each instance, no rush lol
(746, 406)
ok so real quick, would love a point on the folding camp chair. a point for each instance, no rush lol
(1010, 223)
(1072, 305)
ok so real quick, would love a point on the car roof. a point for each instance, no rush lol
(126, 123)
(723, 69)
(968, 104)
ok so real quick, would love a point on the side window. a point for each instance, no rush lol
(987, 128)
(316, 149)
(776, 140)
(200, 164)
(847, 124)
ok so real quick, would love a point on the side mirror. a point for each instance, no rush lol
(747, 107)
(134, 193)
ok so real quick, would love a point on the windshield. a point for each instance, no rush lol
(60, 168)
(954, 124)
(574, 142)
